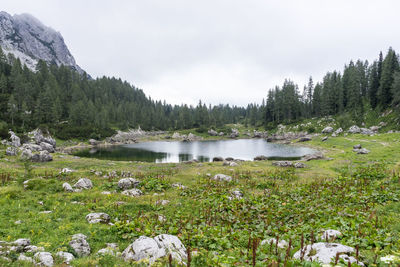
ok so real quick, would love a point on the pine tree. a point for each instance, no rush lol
(389, 66)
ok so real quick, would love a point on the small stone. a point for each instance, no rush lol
(162, 202)
(99, 217)
(132, 192)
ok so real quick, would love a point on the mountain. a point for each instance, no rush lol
(30, 40)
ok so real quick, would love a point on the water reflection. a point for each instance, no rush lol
(203, 151)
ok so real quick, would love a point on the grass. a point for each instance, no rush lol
(356, 194)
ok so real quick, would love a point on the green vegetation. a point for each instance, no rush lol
(355, 194)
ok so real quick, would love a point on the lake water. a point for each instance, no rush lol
(204, 151)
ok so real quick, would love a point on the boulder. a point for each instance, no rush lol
(66, 257)
(382, 124)
(216, 159)
(98, 217)
(66, 171)
(44, 259)
(325, 253)
(176, 136)
(38, 137)
(83, 183)
(212, 132)
(80, 245)
(330, 234)
(128, 183)
(15, 140)
(259, 158)
(221, 134)
(22, 257)
(143, 248)
(358, 146)
(325, 138)
(366, 131)
(132, 192)
(361, 151)
(222, 178)
(236, 194)
(46, 147)
(172, 246)
(283, 163)
(317, 155)
(234, 134)
(338, 131)
(11, 151)
(42, 156)
(67, 187)
(375, 129)
(93, 142)
(354, 129)
(299, 165)
(162, 202)
(32, 147)
(233, 164)
(327, 130)
(281, 243)
(304, 139)
(33, 249)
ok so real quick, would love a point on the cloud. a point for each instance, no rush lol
(220, 51)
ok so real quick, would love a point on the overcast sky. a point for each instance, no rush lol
(219, 51)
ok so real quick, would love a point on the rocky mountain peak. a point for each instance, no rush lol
(30, 40)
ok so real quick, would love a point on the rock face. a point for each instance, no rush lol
(153, 249)
(327, 130)
(29, 40)
(326, 252)
(222, 178)
(80, 245)
(99, 217)
(127, 183)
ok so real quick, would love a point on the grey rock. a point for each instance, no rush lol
(330, 234)
(259, 158)
(382, 124)
(143, 248)
(338, 131)
(323, 252)
(366, 131)
(83, 183)
(179, 186)
(236, 194)
(22, 257)
(67, 187)
(42, 156)
(374, 128)
(128, 183)
(32, 147)
(216, 159)
(66, 257)
(66, 171)
(299, 165)
(162, 202)
(354, 129)
(358, 146)
(80, 245)
(11, 151)
(98, 217)
(15, 140)
(44, 259)
(132, 192)
(327, 130)
(305, 139)
(325, 138)
(212, 132)
(172, 246)
(33, 249)
(47, 147)
(315, 156)
(93, 142)
(283, 163)
(22, 242)
(361, 151)
(233, 164)
(234, 134)
(221, 134)
(222, 178)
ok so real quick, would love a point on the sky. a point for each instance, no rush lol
(217, 51)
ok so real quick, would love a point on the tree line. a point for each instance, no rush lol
(74, 105)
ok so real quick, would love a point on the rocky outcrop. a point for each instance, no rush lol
(44, 259)
(28, 39)
(354, 129)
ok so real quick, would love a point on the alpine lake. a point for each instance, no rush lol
(203, 151)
